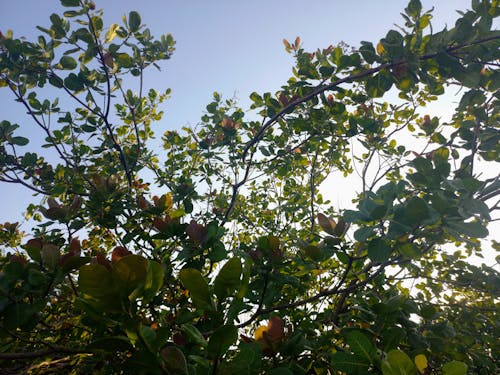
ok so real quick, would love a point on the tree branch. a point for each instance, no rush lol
(322, 88)
(41, 353)
(325, 293)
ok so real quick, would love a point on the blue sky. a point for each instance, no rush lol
(230, 46)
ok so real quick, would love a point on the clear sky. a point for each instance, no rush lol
(230, 46)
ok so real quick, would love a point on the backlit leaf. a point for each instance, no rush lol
(194, 282)
(221, 340)
(129, 273)
(350, 363)
(470, 229)
(421, 363)
(228, 279)
(455, 368)
(398, 363)
(174, 359)
(379, 250)
(361, 346)
(96, 281)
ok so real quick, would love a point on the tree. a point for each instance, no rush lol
(239, 265)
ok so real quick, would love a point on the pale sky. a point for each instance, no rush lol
(229, 46)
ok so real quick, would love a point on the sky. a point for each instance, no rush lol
(233, 47)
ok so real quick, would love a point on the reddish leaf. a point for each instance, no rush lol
(297, 42)
(327, 224)
(17, 258)
(275, 329)
(196, 232)
(35, 243)
(75, 247)
(101, 259)
(118, 253)
(52, 203)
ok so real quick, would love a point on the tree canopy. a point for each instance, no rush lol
(220, 253)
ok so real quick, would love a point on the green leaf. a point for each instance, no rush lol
(428, 312)
(416, 210)
(471, 229)
(364, 233)
(422, 165)
(18, 315)
(350, 363)
(34, 252)
(351, 216)
(56, 81)
(280, 371)
(72, 13)
(221, 340)
(134, 21)
(130, 273)
(248, 361)
(228, 279)
(462, 30)
(148, 336)
(368, 52)
(36, 278)
(393, 44)
(414, 8)
(408, 216)
(19, 141)
(193, 335)
(194, 282)
(70, 3)
(29, 159)
(378, 85)
(73, 82)
(74, 263)
(455, 368)
(379, 250)
(408, 250)
(391, 337)
(96, 281)
(154, 280)
(361, 346)
(398, 363)
(124, 60)
(174, 359)
(67, 62)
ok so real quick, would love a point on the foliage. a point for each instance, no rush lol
(239, 265)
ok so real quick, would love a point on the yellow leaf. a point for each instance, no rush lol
(165, 202)
(110, 35)
(259, 333)
(421, 363)
(380, 49)
(405, 84)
